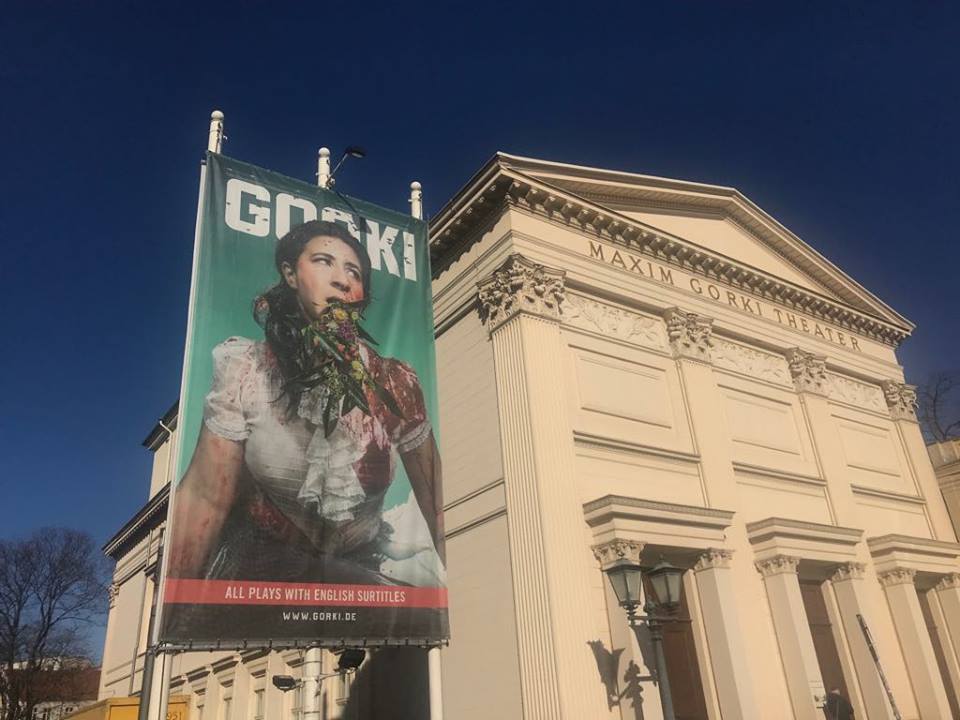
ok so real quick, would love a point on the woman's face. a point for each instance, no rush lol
(327, 269)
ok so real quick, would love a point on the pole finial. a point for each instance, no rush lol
(215, 136)
(323, 167)
(416, 200)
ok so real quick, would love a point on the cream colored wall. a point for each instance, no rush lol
(160, 470)
(482, 653)
(127, 623)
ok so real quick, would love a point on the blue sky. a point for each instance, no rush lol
(838, 119)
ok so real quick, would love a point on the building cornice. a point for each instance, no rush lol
(161, 431)
(149, 517)
(497, 187)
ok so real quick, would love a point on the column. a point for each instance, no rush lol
(944, 600)
(731, 663)
(915, 643)
(623, 636)
(520, 306)
(799, 658)
(847, 583)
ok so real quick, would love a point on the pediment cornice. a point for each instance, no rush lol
(497, 187)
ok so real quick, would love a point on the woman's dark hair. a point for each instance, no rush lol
(279, 313)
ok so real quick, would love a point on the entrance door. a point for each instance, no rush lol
(683, 670)
(823, 643)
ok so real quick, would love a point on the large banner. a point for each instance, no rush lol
(307, 502)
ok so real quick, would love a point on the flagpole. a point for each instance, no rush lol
(434, 673)
(158, 693)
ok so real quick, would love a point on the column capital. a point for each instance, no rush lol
(690, 334)
(901, 399)
(778, 565)
(848, 571)
(899, 576)
(112, 592)
(809, 371)
(520, 286)
(714, 558)
(949, 582)
(615, 552)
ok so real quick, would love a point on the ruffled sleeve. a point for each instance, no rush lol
(410, 431)
(223, 411)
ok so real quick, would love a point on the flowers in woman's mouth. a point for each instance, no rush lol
(331, 343)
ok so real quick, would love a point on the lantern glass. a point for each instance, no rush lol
(626, 581)
(666, 580)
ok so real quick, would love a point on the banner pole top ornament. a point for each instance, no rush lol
(215, 137)
(323, 167)
(416, 200)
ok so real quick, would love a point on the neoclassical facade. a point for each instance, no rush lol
(636, 367)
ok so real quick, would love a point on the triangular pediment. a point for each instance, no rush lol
(718, 219)
(705, 229)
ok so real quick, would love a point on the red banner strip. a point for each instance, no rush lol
(248, 592)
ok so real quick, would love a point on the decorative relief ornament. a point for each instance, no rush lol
(112, 592)
(520, 286)
(714, 558)
(900, 576)
(613, 322)
(848, 571)
(690, 335)
(901, 400)
(779, 565)
(856, 393)
(808, 371)
(616, 551)
(747, 361)
(949, 582)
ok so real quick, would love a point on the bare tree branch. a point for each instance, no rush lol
(939, 412)
(52, 584)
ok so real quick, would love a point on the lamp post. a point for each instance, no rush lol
(626, 577)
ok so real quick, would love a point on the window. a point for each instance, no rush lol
(259, 703)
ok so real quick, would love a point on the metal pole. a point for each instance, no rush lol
(312, 668)
(146, 686)
(876, 661)
(323, 167)
(663, 681)
(434, 669)
(656, 637)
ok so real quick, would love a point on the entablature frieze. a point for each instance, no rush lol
(931, 558)
(826, 545)
(657, 526)
(502, 188)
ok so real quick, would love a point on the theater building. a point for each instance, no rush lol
(639, 368)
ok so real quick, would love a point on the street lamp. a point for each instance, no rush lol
(626, 577)
(354, 151)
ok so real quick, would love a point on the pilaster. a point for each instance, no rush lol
(519, 303)
(730, 659)
(849, 591)
(800, 668)
(902, 403)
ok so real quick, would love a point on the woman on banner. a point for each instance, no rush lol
(301, 432)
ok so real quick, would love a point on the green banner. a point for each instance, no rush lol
(307, 507)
